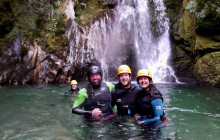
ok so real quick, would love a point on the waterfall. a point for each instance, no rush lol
(126, 30)
(153, 51)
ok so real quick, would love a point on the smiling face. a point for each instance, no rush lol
(74, 86)
(144, 82)
(124, 79)
(95, 79)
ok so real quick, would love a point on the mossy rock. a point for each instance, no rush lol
(211, 21)
(173, 8)
(216, 37)
(207, 68)
(185, 31)
(204, 43)
(183, 63)
(189, 25)
(86, 10)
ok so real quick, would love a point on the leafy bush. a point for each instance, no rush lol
(33, 19)
(86, 10)
(204, 8)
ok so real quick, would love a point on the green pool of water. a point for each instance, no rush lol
(43, 112)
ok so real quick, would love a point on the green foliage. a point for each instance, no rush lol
(169, 10)
(83, 5)
(33, 19)
(86, 10)
(104, 3)
(204, 8)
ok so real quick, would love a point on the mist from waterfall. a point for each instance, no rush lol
(112, 39)
(153, 51)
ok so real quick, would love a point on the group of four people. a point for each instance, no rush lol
(97, 99)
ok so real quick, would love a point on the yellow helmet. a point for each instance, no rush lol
(124, 69)
(73, 82)
(144, 72)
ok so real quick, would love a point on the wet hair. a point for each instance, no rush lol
(152, 89)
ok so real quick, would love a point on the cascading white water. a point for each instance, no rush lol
(112, 38)
(153, 52)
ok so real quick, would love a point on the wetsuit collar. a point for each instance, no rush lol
(95, 87)
(121, 86)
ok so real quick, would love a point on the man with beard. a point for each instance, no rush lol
(94, 101)
(125, 94)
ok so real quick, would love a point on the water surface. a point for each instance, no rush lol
(43, 112)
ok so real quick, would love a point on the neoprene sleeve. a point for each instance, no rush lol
(157, 106)
(80, 98)
(79, 111)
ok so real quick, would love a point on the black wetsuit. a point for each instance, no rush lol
(98, 97)
(125, 99)
(74, 91)
(144, 107)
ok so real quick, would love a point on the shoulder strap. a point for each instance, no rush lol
(107, 88)
(90, 91)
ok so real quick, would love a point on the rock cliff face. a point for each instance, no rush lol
(49, 58)
(36, 66)
(195, 42)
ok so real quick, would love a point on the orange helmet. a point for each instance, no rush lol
(73, 82)
(124, 69)
(144, 72)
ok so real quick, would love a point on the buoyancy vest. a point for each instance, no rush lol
(144, 102)
(98, 97)
(74, 91)
(125, 99)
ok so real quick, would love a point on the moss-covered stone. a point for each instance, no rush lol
(204, 43)
(185, 31)
(185, 3)
(216, 37)
(183, 63)
(87, 10)
(207, 14)
(35, 20)
(189, 28)
(173, 8)
(207, 68)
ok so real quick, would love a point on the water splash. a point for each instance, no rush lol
(153, 52)
(127, 29)
(193, 111)
(132, 25)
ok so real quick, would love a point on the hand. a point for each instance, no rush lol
(140, 122)
(137, 117)
(96, 113)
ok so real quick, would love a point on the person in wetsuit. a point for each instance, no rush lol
(74, 89)
(150, 100)
(125, 94)
(94, 101)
